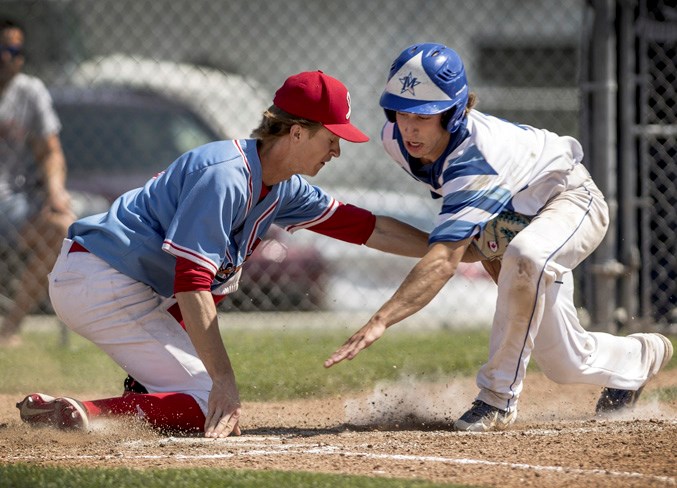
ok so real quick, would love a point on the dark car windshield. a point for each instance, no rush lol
(121, 139)
(115, 139)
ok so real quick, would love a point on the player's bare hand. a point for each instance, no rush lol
(223, 411)
(360, 340)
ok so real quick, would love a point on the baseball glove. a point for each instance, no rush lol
(497, 234)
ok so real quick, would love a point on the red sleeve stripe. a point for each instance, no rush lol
(183, 252)
(325, 215)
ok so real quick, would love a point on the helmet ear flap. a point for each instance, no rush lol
(390, 115)
(452, 119)
(447, 118)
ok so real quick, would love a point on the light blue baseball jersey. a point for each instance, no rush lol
(490, 166)
(205, 208)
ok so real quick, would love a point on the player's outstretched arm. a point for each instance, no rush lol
(420, 286)
(223, 408)
(396, 237)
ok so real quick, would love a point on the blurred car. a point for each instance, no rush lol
(282, 275)
(228, 102)
(115, 138)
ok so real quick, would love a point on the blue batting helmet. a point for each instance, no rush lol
(427, 79)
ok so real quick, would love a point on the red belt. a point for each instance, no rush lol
(77, 247)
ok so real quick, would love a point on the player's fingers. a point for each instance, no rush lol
(347, 351)
(333, 359)
(218, 428)
(338, 356)
(211, 422)
(356, 348)
(227, 424)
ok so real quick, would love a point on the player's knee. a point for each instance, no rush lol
(524, 265)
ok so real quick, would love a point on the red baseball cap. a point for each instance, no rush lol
(318, 97)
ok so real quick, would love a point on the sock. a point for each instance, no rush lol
(166, 411)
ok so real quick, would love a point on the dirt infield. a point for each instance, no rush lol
(398, 430)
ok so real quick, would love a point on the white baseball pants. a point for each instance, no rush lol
(130, 322)
(535, 312)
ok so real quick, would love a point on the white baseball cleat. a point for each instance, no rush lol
(63, 413)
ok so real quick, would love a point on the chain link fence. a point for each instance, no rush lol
(137, 82)
(629, 128)
(656, 132)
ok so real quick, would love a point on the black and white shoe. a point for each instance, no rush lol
(483, 417)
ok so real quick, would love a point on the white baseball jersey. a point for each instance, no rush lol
(497, 165)
(202, 208)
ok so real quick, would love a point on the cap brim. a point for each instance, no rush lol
(410, 105)
(347, 131)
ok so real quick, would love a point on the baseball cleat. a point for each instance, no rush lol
(613, 399)
(64, 413)
(483, 417)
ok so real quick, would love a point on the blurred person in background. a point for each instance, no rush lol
(142, 281)
(35, 209)
(481, 166)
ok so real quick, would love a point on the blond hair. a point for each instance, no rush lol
(472, 101)
(276, 123)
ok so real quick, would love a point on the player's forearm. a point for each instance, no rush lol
(396, 237)
(420, 286)
(200, 317)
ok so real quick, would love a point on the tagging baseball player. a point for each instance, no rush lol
(480, 166)
(142, 280)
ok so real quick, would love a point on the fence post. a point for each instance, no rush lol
(605, 268)
(627, 194)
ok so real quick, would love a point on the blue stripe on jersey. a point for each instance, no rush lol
(492, 200)
(471, 162)
(452, 231)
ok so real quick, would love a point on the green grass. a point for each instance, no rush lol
(22, 475)
(663, 394)
(269, 365)
(80, 367)
(272, 365)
